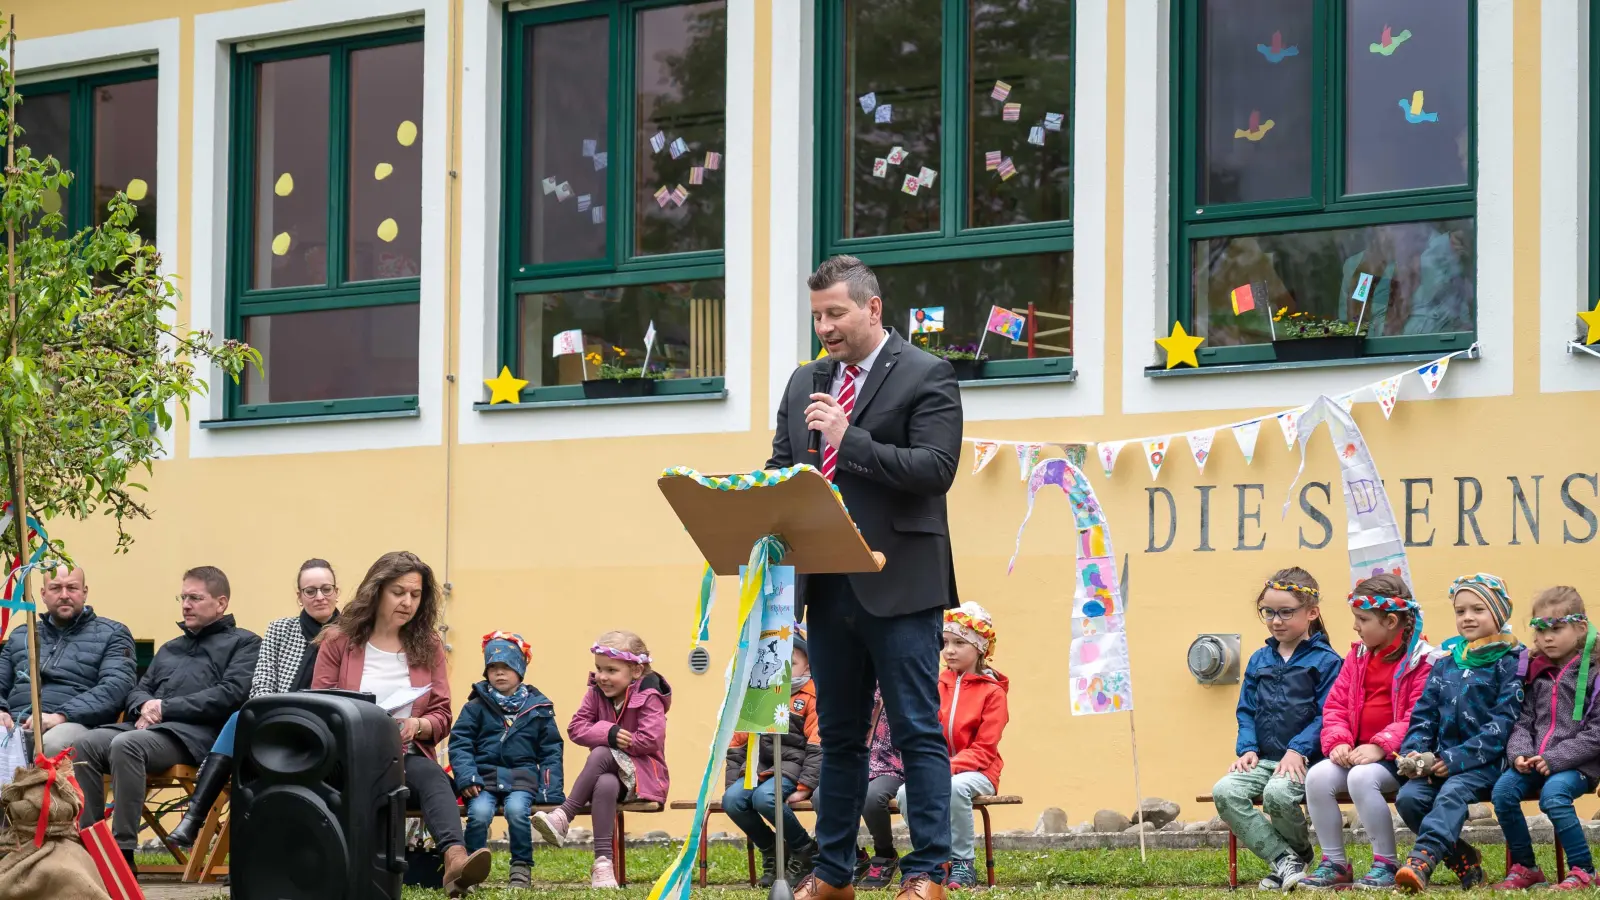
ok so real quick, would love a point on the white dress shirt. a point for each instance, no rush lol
(866, 368)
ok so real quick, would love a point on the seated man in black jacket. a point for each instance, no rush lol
(174, 714)
(86, 666)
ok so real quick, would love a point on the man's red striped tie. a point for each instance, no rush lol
(847, 402)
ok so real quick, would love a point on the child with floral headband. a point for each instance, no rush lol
(973, 715)
(1363, 723)
(1461, 722)
(1554, 748)
(623, 720)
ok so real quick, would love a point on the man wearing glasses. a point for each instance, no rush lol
(86, 668)
(196, 681)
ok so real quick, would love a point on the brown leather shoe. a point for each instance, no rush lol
(920, 887)
(463, 871)
(814, 888)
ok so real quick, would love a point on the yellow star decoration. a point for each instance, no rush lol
(505, 388)
(1592, 319)
(1180, 346)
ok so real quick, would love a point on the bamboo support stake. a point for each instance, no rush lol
(1138, 793)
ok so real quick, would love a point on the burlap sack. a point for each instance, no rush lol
(59, 870)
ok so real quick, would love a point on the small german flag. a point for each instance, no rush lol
(1245, 297)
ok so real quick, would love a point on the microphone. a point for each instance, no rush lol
(821, 381)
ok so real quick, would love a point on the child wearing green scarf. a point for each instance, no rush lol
(1464, 717)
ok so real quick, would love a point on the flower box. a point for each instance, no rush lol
(967, 369)
(1305, 349)
(611, 388)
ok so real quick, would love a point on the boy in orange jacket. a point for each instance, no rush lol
(972, 715)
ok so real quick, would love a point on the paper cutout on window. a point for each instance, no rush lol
(137, 189)
(926, 177)
(1257, 130)
(588, 147)
(868, 101)
(713, 161)
(1363, 288)
(1001, 90)
(563, 191)
(884, 113)
(661, 196)
(679, 148)
(1388, 393)
(880, 167)
(897, 155)
(567, 343)
(1200, 446)
(697, 175)
(1052, 121)
(991, 160)
(1246, 435)
(1036, 135)
(657, 141)
(284, 186)
(1011, 112)
(584, 202)
(280, 244)
(1413, 109)
(381, 171)
(549, 185)
(1390, 42)
(1246, 296)
(1108, 455)
(1007, 169)
(910, 185)
(388, 230)
(1433, 373)
(679, 194)
(598, 215)
(600, 160)
(1276, 51)
(1155, 453)
(406, 134)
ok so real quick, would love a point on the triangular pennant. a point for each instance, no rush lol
(1348, 401)
(1200, 446)
(1246, 435)
(1108, 455)
(1289, 421)
(1077, 454)
(1433, 373)
(1388, 393)
(1155, 453)
(982, 452)
(1027, 458)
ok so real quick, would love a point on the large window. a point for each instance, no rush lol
(614, 213)
(945, 163)
(103, 129)
(325, 236)
(1324, 175)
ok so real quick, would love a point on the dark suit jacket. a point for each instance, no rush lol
(897, 462)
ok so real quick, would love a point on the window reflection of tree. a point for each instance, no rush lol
(682, 94)
(895, 49)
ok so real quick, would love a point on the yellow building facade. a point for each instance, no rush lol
(543, 517)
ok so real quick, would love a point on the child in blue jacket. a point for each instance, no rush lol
(505, 750)
(1463, 720)
(1280, 728)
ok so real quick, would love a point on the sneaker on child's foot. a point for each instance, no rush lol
(1329, 876)
(963, 875)
(881, 872)
(1290, 869)
(1469, 868)
(1576, 880)
(552, 825)
(521, 876)
(863, 862)
(1520, 878)
(602, 875)
(1413, 876)
(1378, 878)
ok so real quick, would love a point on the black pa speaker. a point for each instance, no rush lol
(319, 800)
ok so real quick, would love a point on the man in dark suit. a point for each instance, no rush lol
(891, 439)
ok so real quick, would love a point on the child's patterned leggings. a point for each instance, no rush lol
(1366, 785)
(1283, 828)
(599, 786)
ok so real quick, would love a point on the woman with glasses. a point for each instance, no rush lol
(288, 657)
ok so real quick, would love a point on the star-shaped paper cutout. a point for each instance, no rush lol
(1180, 346)
(505, 388)
(1592, 319)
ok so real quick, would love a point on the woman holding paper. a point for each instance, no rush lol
(386, 644)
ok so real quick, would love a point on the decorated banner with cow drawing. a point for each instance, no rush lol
(764, 706)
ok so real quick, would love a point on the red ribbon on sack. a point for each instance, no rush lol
(50, 764)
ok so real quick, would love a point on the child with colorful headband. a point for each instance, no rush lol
(1363, 723)
(1280, 727)
(973, 716)
(505, 750)
(1554, 748)
(623, 722)
(1462, 722)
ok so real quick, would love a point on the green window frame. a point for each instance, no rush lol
(619, 268)
(955, 240)
(78, 207)
(244, 300)
(1328, 207)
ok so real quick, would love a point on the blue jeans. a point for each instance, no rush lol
(752, 810)
(1435, 809)
(1555, 795)
(224, 742)
(852, 651)
(519, 824)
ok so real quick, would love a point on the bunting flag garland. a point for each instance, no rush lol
(1348, 401)
(1289, 421)
(1387, 392)
(1155, 453)
(1246, 435)
(1200, 446)
(1028, 457)
(1433, 373)
(1077, 454)
(1108, 455)
(982, 452)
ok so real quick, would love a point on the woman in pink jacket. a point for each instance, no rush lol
(1363, 723)
(623, 720)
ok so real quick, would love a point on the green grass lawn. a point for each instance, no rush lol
(1067, 874)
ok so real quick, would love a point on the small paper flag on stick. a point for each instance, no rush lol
(1244, 299)
(1155, 453)
(982, 453)
(1108, 455)
(1246, 435)
(1387, 392)
(567, 343)
(1200, 446)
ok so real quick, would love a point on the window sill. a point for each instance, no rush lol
(1241, 368)
(226, 424)
(1066, 378)
(1578, 347)
(610, 401)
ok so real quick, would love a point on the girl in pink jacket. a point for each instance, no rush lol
(1363, 723)
(623, 720)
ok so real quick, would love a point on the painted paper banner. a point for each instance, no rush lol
(1155, 453)
(1078, 454)
(982, 452)
(1289, 421)
(1200, 446)
(1099, 677)
(567, 343)
(764, 708)
(1246, 435)
(1108, 455)
(1376, 544)
(1005, 323)
(1348, 401)
(1433, 373)
(1388, 393)
(1027, 458)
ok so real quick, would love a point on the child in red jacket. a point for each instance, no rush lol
(972, 714)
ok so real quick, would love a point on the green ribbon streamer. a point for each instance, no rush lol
(1583, 675)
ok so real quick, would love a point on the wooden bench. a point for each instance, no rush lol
(1344, 800)
(981, 804)
(619, 844)
(202, 863)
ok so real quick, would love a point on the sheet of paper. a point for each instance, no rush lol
(403, 698)
(884, 113)
(868, 101)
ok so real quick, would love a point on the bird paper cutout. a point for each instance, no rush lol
(1257, 130)
(1276, 51)
(1414, 113)
(1390, 42)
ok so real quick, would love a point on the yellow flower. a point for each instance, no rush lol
(593, 358)
(618, 350)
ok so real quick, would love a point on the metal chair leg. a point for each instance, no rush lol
(1233, 861)
(988, 843)
(619, 845)
(704, 849)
